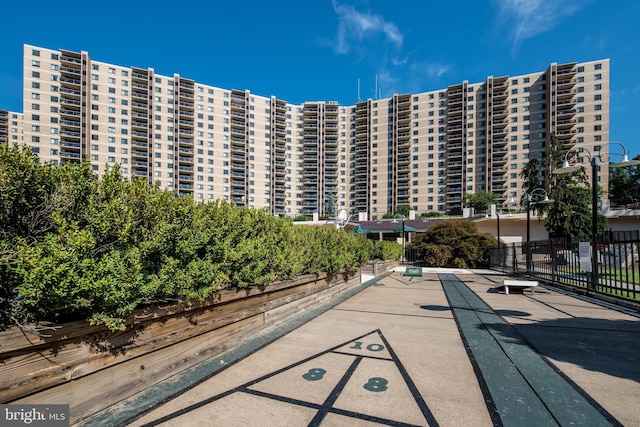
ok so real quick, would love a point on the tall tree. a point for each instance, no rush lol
(530, 173)
(480, 201)
(624, 185)
(403, 210)
(330, 205)
(570, 214)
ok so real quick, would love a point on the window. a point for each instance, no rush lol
(598, 66)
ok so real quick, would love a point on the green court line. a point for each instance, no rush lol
(524, 389)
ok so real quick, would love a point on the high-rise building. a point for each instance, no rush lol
(425, 150)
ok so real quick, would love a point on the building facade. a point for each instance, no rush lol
(425, 150)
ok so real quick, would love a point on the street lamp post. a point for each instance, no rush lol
(595, 161)
(402, 218)
(528, 198)
(501, 251)
(498, 226)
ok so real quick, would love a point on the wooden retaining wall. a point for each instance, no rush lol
(91, 368)
(377, 267)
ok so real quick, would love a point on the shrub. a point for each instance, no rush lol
(385, 250)
(454, 243)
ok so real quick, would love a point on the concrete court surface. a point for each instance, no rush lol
(442, 349)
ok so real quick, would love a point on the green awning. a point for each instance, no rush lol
(406, 228)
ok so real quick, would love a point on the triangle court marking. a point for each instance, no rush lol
(360, 379)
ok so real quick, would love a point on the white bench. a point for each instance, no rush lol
(519, 284)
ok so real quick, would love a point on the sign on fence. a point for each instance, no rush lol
(584, 251)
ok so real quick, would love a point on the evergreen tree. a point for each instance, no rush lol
(624, 185)
(330, 205)
(570, 213)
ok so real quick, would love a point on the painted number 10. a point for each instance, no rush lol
(371, 347)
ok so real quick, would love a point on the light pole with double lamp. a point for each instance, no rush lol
(595, 161)
(501, 252)
(529, 198)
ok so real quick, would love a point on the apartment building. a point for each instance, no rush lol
(11, 127)
(425, 150)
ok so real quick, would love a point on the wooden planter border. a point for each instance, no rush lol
(91, 368)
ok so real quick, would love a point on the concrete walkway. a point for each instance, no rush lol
(442, 349)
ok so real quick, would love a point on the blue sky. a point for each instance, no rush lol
(318, 50)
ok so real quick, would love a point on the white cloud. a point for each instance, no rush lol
(435, 71)
(355, 26)
(528, 18)
(372, 40)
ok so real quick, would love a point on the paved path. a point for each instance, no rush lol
(442, 349)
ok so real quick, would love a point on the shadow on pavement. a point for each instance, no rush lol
(599, 345)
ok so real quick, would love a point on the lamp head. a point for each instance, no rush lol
(566, 168)
(624, 162)
(546, 200)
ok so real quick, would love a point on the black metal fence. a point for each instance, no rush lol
(569, 262)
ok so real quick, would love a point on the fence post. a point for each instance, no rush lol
(554, 262)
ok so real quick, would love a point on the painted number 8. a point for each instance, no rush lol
(314, 374)
(376, 384)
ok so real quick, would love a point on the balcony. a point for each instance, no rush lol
(70, 155)
(566, 93)
(500, 94)
(566, 112)
(566, 72)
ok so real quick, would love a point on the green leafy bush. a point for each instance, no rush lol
(73, 246)
(385, 250)
(454, 243)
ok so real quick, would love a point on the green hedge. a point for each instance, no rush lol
(73, 246)
(385, 250)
